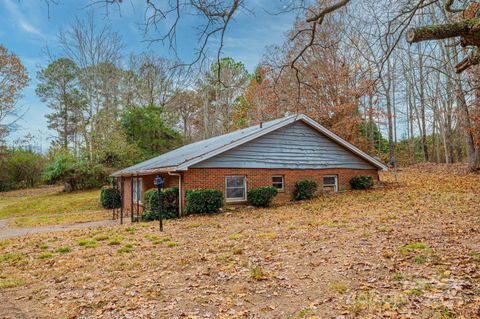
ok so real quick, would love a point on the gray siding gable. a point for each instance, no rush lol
(295, 146)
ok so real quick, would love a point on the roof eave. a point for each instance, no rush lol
(146, 172)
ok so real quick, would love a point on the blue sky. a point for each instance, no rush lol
(29, 27)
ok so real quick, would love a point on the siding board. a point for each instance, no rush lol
(294, 146)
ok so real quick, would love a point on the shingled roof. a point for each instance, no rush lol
(184, 157)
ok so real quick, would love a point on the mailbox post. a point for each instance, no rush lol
(159, 182)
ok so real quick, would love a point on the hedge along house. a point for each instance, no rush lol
(279, 153)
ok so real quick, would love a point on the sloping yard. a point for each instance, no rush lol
(409, 250)
(50, 206)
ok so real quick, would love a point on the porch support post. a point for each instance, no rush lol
(122, 187)
(138, 202)
(114, 209)
(131, 198)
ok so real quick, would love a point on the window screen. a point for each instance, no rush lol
(235, 188)
(330, 183)
(277, 182)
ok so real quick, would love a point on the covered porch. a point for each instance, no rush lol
(132, 188)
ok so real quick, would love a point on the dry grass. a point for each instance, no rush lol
(312, 259)
(50, 206)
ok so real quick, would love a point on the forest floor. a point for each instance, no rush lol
(45, 206)
(408, 250)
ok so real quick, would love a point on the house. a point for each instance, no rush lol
(278, 153)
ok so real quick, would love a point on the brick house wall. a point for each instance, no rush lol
(196, 178)
(214, 178)
(147, 183)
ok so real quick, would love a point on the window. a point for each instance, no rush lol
(330, 183)
(236, 188)
(137, 190)
(277, 182)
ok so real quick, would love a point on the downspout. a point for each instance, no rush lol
(179, 192)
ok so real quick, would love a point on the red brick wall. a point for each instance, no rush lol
(196, 178)
(147, 183)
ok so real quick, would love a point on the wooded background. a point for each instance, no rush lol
(350, 65)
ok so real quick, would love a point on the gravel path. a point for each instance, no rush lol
(7, 232)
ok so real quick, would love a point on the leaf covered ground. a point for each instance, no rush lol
(408, 250)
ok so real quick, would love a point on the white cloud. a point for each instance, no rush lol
(20, 18)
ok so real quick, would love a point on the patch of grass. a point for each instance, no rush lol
(406, 249)
(338, 287)
(87, 243)
(360, 302)
(298, 227)
(304, 312)
(195, 225)
(172, 244)
(365, 235)
(420, 259)
(237, 250)
(51, 201)
(269, 235)
(42, 246)
(257, 273)
(414, 292)
(224, 258)
(475, 256)
(63, 250)
(216, 224)
(5, 242)
(235, 236)
(384, 229)
(11, 257)
(12, 282)
(62, 219)
(131, 230)
(45, 255)
(398, 276)
(101, 237)
(128, 248)
(114, 242)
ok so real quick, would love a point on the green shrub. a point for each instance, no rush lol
(361, 182)
(262, 196)
(20, 169)
(110, 198)
(204, 201)
(304, 189)
(75, 175)
(170, 204)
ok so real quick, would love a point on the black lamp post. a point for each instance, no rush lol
(159, 182)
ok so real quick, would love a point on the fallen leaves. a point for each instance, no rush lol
(408, 250)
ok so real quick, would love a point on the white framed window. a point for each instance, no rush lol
(235, 188)
(278, 182)
(330, 183)
(137, 190)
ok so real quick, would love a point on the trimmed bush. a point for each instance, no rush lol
(110, 198)
(204, 201)
(361, 182)
(262, 196)
(304, 189)
(170, 204)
